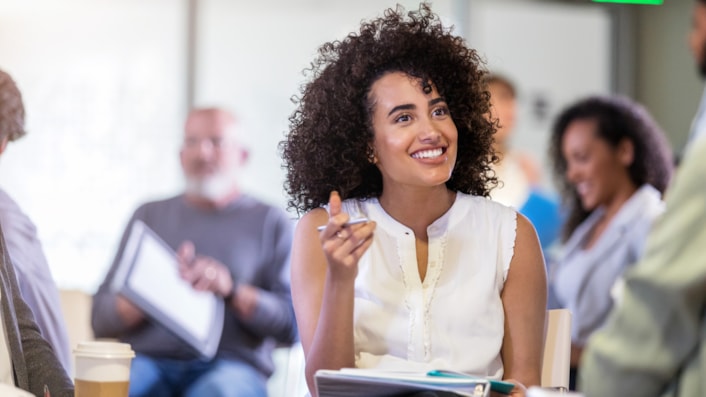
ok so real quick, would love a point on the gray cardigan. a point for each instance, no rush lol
(34, 363)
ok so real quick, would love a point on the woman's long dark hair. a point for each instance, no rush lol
(330, 136)
(616, 118)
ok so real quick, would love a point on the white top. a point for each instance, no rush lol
(453, 319)
(5, 362)
(582, 279)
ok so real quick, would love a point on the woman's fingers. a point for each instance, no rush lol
(518, 391)
(186, 253)
(337, 219)
(334, 203)
(344, 243)
(348, 240)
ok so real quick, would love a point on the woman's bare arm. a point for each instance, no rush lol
(524, 300)
(324, 267)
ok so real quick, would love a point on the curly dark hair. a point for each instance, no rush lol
(330, 135)
(617, 118)
(12, 111)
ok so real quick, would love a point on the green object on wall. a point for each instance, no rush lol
(650, 2)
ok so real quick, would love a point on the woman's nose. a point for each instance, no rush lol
(429, 132)
(570, 173)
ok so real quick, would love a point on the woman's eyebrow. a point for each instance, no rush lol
(402, 107)
(436, 100)
(410, 106)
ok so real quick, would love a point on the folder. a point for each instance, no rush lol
(355, 382)
(148, 276)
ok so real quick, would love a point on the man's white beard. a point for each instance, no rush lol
(213, 188)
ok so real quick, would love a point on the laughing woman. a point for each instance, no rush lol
(392, 128)
(613, 163)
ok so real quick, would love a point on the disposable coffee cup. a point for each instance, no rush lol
(102, 369)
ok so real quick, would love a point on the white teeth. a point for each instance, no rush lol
(582, 188)
(427, 154)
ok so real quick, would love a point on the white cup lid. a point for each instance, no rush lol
(103, 349)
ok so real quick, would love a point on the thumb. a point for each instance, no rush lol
(186, 252)
(334, 204)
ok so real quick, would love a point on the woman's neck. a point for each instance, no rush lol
(611, 209)
(619, 199)
(417, 208)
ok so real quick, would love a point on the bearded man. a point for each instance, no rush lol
(228, 243)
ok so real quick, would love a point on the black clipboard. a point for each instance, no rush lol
(148, 276)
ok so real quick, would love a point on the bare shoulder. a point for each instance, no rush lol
(307, 245)
(307, 253)
(525, 228)
(527, 276)
(311, 220)
(528, 251)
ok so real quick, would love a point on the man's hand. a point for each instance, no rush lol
(203, 272)
(129, 312)
(245, 300)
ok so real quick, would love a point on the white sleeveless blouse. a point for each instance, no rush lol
(454, 318)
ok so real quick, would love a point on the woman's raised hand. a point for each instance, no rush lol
(343, 243)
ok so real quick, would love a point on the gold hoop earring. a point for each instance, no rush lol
(372, 158)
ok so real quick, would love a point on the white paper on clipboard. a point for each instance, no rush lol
(150, 278)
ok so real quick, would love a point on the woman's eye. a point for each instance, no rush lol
(403, 118)
(581, 157)
(442, 111)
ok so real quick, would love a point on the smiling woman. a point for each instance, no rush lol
(402, 140)
(415, 137)
(613, 163)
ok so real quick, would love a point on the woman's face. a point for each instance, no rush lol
(415, 139)
(697, 36)
(596, 169)
(502, 107)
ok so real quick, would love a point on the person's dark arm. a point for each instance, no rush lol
(269, 312)
(112, 315)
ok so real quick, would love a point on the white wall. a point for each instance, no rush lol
(553, 53)
(105, 90)
(102, 82)
(251, 57)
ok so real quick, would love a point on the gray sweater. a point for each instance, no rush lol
(253, 240)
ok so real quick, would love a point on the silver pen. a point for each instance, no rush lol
(350, 222)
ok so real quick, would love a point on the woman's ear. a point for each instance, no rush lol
(626, 152)
(372, 158)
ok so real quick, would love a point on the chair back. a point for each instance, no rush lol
(76, 306)
(557, 349)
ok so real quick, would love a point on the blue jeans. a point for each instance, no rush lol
(159, 377)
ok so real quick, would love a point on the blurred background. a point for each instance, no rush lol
(107, 84)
